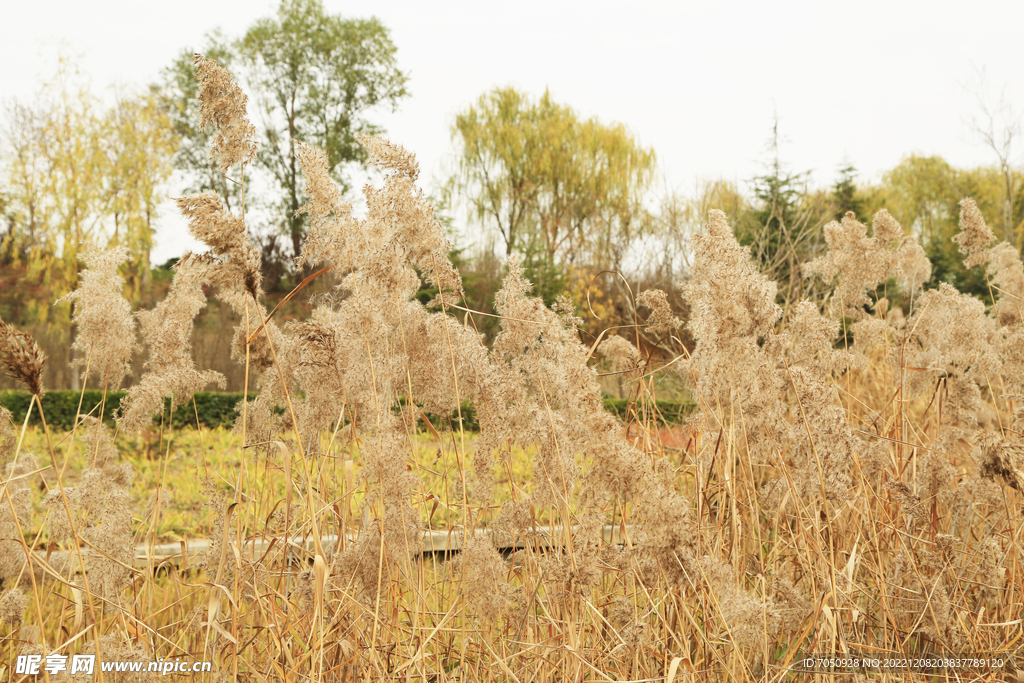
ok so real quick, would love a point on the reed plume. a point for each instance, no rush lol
(106, 326)
(167, 330)
(222, 104)
(21, 358)
(100, 508)
(12, 522)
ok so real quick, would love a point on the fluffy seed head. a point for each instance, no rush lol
(862, 263)
(167, 329)
(486, 591)
(106, 326)
(21, 358)
(390, 156)
(975, 235)
(12, 607)
(623, 356)
(331, 225)
(660, 321)
(12, 552)
(222, 104)
(1007, 272)
(234, 265)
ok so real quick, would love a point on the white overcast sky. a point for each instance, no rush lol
(869, 81)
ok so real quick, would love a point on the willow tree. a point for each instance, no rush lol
(548, 180)
(75, 174)
(78, 173)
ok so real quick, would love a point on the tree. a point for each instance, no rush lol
(551, 183)
(845, 195)
(782, 226)
(499, 145)
(678, 218)
(923, 194)
(315, 76)
(76, 174)
(602, 215)
(999, 128)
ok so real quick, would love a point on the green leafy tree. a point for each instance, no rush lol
(77, 174)
(316, 76)
(499, 145)
(923, 194)
(552, 184)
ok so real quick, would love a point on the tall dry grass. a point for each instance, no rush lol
(830, 498)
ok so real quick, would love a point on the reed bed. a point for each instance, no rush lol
(850, 483)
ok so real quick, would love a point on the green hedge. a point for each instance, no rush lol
(217, 409)
(663, 412)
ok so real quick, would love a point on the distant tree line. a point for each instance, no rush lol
(577, 199)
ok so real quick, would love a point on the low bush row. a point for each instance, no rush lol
(217, 409)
